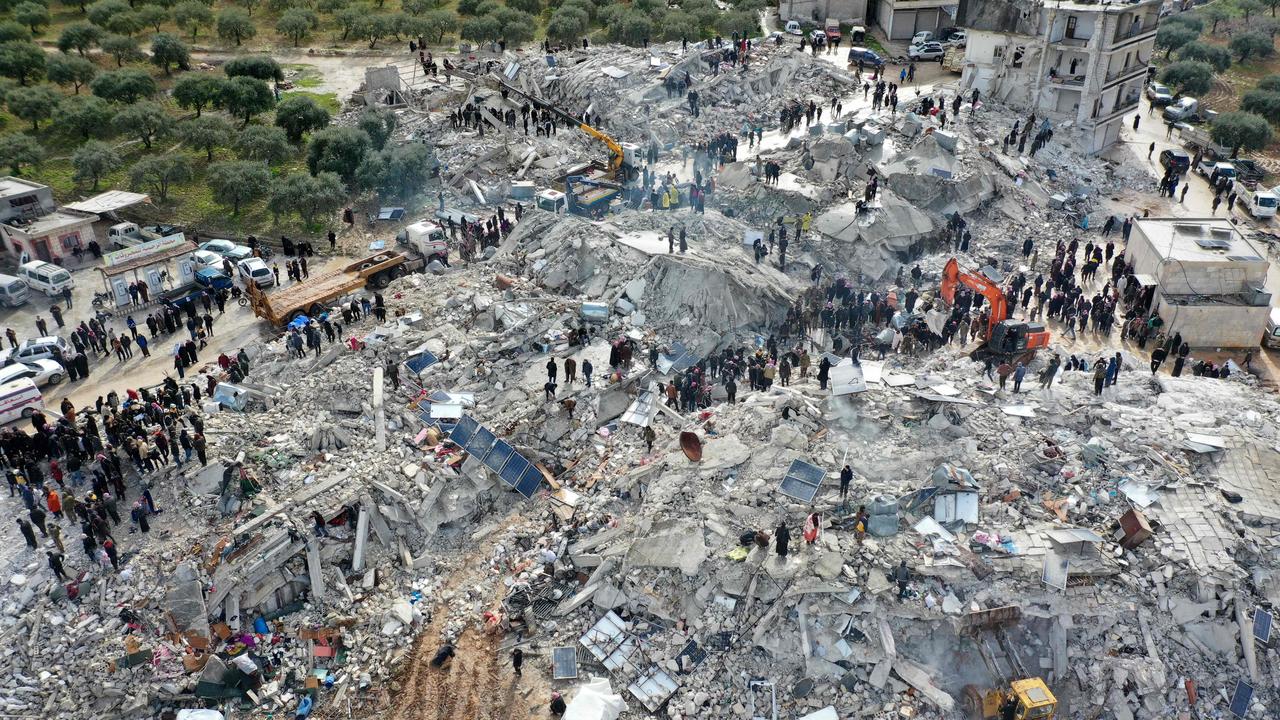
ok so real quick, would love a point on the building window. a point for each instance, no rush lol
(1071, 26)
(70, 241)
(1018, 53)
(997, 51)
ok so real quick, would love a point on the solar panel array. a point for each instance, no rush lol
(497, 455)
(802, 481)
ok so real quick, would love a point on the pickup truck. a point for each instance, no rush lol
(1212, 170)
(833, 30)
(1249, 172)
(127, 234)
(1260, 202)
(1184, 109)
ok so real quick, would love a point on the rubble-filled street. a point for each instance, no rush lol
(699, 420)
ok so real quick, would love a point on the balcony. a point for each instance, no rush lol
(1132, 34)
(1068, 82)
(1122, 105)
(1074, 42)
(1125, 73)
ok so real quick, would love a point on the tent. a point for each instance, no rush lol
(595, 700)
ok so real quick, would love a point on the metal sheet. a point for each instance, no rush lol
(564, 663)
(643, 409)
(608, 642)
(1056, 570)
(653, 688)
(847, 379)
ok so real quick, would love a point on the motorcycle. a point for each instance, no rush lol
(101, 299)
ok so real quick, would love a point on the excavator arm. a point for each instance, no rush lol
(952, 276)
(615, 150)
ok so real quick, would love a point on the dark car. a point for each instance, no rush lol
(212, 278)
(868, 57)
(1175, 161)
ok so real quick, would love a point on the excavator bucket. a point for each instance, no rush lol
(993, 619)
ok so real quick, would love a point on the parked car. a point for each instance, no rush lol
(217, 246)
(921, 37)
(212, 277)
(41, 372)
(817, 36)
(1175, 161)
(1184, 109)
(947, 33)
(238, 253)
(868, 57)
(206, 259)
(793, 28)
(958, 39)
(1158, 94)
(41, 348)
(926, 51)
(253, 270)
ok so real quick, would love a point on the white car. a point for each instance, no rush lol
(40, 348)
(206, 259)
(793, 28)
(926, 51)
(921, 37)
(253, 270)
(238, 253)
(41, 372)
(959, 39)
(221, 247)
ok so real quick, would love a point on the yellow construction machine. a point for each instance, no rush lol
(1017, 699)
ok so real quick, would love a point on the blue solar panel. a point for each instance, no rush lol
(514, 469)
(498, 456)
(804, 471)
(481, 442)
(463, 431)
(802, 481)
(1241, 698)
(530, 481)
(1262, 625)
(421, 362)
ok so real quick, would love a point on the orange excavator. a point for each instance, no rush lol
(1004, 339)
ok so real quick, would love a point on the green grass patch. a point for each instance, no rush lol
(871, 42)
(328, 101)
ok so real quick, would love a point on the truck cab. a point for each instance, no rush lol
(833, 29)
(428, 239)
(127, 234)
(1182, 109)
(1260, 202)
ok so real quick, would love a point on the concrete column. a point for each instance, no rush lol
(313, 567)
(380, 415)
(362, 539)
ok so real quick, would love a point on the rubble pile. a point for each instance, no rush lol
(442, 480)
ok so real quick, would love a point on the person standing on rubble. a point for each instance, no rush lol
(902, 576)
(781, 539)
(846, 477)
(551, 370)
(27, 533)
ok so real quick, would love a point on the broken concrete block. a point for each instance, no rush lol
(945, 139)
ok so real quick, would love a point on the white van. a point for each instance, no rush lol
(19, 399)
(13, 292)
(1272, 338)
(45, 277)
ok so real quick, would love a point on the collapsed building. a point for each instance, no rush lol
(368, 506)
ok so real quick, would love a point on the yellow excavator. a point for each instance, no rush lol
(1021, 699)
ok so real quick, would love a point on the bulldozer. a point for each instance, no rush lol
(1025, 698)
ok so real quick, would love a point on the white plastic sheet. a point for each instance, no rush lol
(595, 700)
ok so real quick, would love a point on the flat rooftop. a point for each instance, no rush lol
(55, 220)
(1201, 240)
(10, 185)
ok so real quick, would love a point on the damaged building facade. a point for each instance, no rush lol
(1080, 64)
